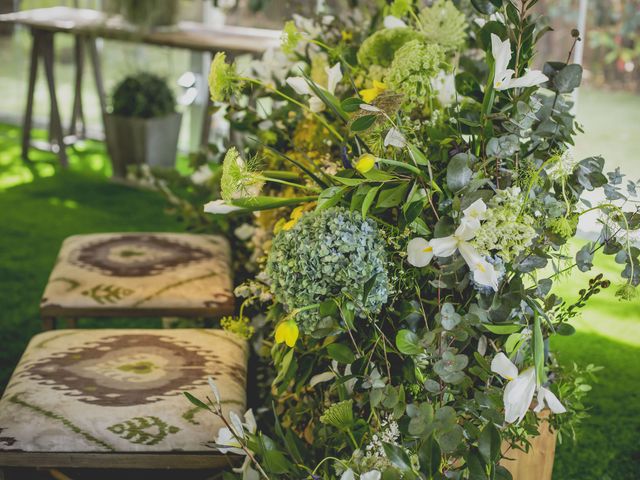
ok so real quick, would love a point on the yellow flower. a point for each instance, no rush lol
(287, 332)
(346, 35)
(370, 94)
(296, 214)
(365, 163)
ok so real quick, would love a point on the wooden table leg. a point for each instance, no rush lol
(28, 115)
(55, 122)
(48, 323)
(97, 74)
(78, 113)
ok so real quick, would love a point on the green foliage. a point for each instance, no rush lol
(381, 47)
(143, 95)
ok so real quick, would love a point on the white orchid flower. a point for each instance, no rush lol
(474, 213)
(301, 86)
(503, 78)
(519, 392)
(393, 22)
(220, 207)
(227, 441)
(419, 252)
(547, 397)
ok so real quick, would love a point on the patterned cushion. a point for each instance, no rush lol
(117, 391)
(155, 274)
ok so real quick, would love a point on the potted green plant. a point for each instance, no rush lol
(143, 126)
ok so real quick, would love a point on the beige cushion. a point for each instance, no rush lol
(155, 274)
(115, 391)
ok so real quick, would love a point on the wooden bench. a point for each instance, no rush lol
(139, 275)
(114, 399)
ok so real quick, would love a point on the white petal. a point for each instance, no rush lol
(372, 475)
(334, 75)
(470, 255)
(504, 367)
(236, 423)
(214, 389)
(321, 378)
(315, 104)
(476, 210)
(445, 246)
(393, 22)
(250, 421)
(348, 475)
(501, 52)
(546, 396)
(502, 81)
(467, 228)
(419, 252)
(219, 207)
(529, 79)
(445, 86)
(518, 396)
(369, 108)
(395, 138)
(248, 472)
(300, 85)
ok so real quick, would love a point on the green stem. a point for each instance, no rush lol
(295, 102)
(404, 165)
(285, 182)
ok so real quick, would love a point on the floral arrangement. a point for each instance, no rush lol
(410, 174)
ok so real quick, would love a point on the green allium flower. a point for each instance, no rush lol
(240, 179)
(290, 37)
(380, 48)
(222, 78)
(339, 415)
(238, 325)
(444, 24)
(328, 254)
(626, 292)
(504, 230)
(413, 66)
(565, 227)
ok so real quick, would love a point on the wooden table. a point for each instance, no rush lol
(88, 25)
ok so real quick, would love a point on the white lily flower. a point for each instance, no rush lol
(503, 78)
(220, 207)
(301, 86)
(393, 22)
(547, 397)
(395, 138)
(419, 252)
(228, 439)
(483, 272)
(518, 394)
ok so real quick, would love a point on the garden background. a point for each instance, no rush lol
(40, 205)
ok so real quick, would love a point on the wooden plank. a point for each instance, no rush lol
(159, 460)
(537, 463)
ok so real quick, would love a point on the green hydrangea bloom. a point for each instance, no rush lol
(222, 78)
(413, 66)
(238, 325)
(239, 179)
(504, 230)
(444, 24)
(328, 254)
(381, 47)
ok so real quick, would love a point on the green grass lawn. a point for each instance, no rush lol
(43, 205)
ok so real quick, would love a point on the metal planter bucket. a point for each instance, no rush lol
(137, 141)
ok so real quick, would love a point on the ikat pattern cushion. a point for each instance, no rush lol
(169, 274)
(121, 390)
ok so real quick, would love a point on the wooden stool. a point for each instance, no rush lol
(139, 275)
(113, 398)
